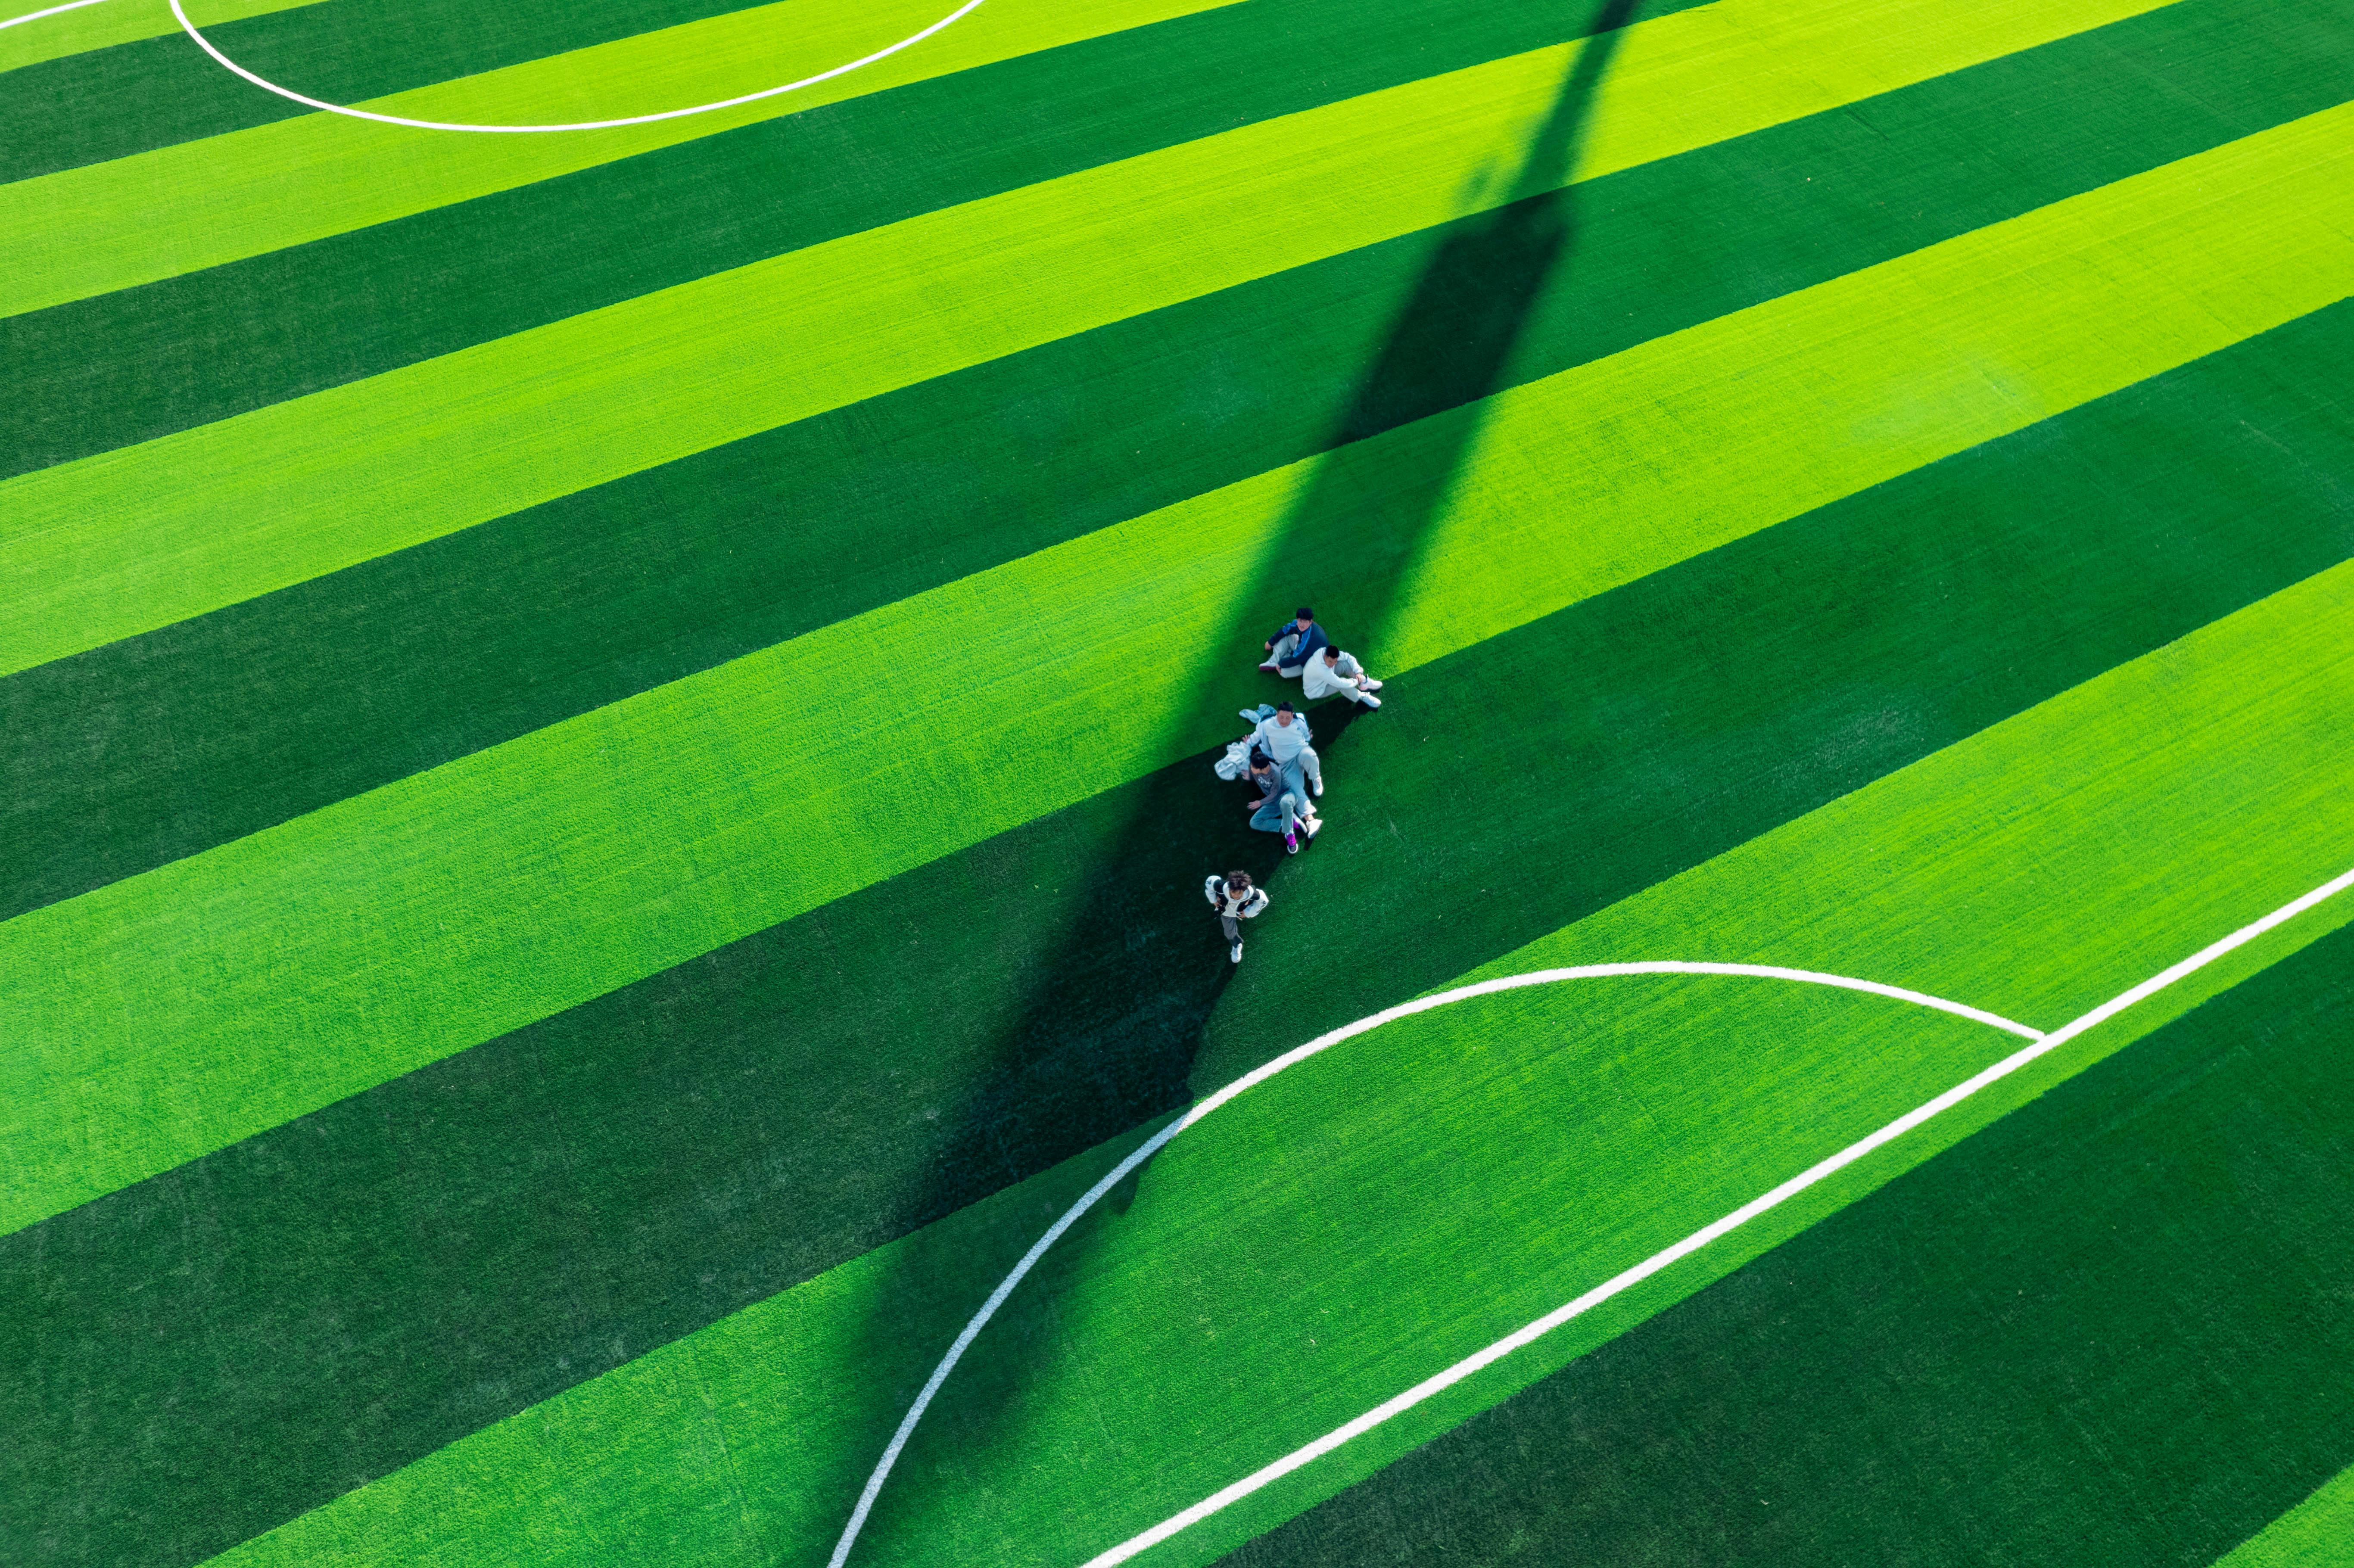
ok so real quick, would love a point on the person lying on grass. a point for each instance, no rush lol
(1335, 673)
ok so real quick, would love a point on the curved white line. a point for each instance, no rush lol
(1291, 1059)
(207, 44)
(37, 15)
(1707, 1233)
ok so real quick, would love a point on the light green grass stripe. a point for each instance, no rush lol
(2316, 1533)
(115, 22)
(1406, 1206)
(126, 541)
(1419, 1191)
(179, 1010)
(109, 225)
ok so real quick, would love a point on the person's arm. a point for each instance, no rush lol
(1254, 904)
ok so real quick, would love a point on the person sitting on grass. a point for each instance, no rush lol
(1295, 643)
(1335, 673)
(1283, 735)
(1235, 900)
(1281, 807)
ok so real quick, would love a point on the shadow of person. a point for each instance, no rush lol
(1111, 1027)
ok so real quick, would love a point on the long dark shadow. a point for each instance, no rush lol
(1121, 1020)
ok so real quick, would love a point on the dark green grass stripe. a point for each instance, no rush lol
(223, 726)
(374, 1280)
(124, 367)
(2112, 1327)
(111, 103)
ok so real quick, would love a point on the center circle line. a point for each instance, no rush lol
(344, 109)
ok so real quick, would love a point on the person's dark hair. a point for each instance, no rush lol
(1284, 708)
(1259, 759)
(1331, 654)
(1238, 880)
(1304, 613)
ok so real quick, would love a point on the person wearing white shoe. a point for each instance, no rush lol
(1281, 807)
(1334, 674)
(1295, 643)
(1235, 900)
(1283, 735)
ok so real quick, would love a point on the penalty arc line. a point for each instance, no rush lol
(1601, 1293)
(1291, 1059)
(228, 64)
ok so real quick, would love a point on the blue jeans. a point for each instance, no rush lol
(1278, 813)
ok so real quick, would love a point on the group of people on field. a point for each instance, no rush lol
(1279, 757)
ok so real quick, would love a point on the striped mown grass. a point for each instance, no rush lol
(300, 487)
(432, 653)
(720, 781)
(1988, 861)
(335, 310)
(127, 221)
(604, 739)
(2125, 1268)
(91, 108)
(760, 1115)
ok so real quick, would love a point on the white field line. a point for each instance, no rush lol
(1251, 1080)
(207, 44)
(667, 114)
(52, 11)
(1700, 1239)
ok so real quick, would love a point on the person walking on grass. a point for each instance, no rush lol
(1283, 735)
(1281, 807)
(1335, 673)
(1235, 900)
(1295, 643)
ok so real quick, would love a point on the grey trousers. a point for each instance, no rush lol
(1233, 927)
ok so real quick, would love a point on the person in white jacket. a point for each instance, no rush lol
(1235, 900)
(1283, 735)
(1334, 674)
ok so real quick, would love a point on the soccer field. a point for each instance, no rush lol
(613, 623)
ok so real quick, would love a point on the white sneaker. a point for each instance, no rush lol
(1369, 684)
(1372, 701)
(1235, 953)
(1313, 824)
(1272, 668)
(1316, 788)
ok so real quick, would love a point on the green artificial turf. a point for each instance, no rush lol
(239, 720)
(1271, 1223)
(2108, 1328)
(200, 203)
(2314, 1534)
(297, 489)
(768, 1112)
(337, 310)
(114, 102)
(116, 22)
(389, 930)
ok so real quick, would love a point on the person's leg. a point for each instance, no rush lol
(1270, 817)
(1284, 646)
(1231, 926)
(1311, 768)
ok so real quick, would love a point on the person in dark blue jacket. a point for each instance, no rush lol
(1295, 643)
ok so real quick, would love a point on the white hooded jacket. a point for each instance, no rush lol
(1225, 902)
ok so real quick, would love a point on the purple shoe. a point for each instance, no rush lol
(1290, 841)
